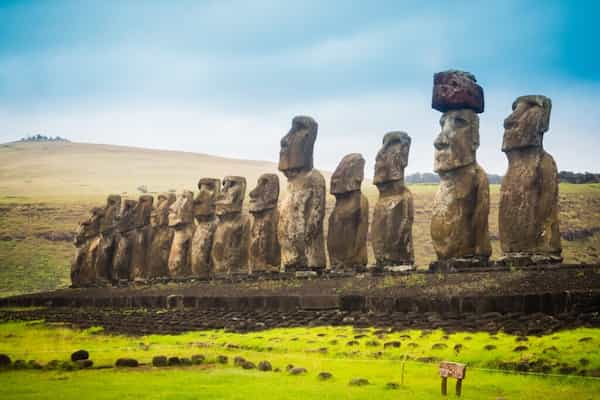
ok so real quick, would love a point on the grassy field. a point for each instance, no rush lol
(344, 352)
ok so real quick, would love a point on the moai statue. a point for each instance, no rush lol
(181, 219)
(302, 210)
(393, 216)
(265, 253)
(121, 268)
(87, 242)
(528, 217)
(349, 221)
(459, 223)
(108, 240)
(229, 254)
(206, 224)
(162, 237)
(142, 236)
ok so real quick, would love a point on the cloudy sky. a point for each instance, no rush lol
(226, 77)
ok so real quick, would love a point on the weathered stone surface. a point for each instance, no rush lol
(181, 219)
(125, 237)
(79, 355)
(302, 210)
(127, 362)
(206, 224)
(142, 237)
(459, 223)
(87, 241)
(162, 237)
(264, 253)
(528, 214)
(349, 220)
(229, 253)
(108, 224)
(455, 90)
(393, 216)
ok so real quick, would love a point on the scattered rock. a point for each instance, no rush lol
(222, 359)
(458, 347)
(185, 361)
(358, 382)
(4, 361)
(521, 348)
(265, 366)
(289, 367)
(567, 370)
(248, 365)
(468, 338)
(298, 371)
(429, 359)
(173, 361)
(392, 344)
(238, 361)
(522, 339)
(198, 359)
(19, 364)
(439, 346)
(489, 347)
(80, 355)
(127, 362)
(84, 364)
(585, 339)
(160, 361)
(352, 343)
(323, 376)
(34, 364)
(584, 361)
(392, 386)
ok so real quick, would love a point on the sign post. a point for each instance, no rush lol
(450, 369)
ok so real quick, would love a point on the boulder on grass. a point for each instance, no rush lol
(80, 355)
(265, 366)
(83, 364)
(198, 359)
(4, 361)
(160, 361)
(127, 362)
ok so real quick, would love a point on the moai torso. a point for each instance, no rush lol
(264, 252)
(229, 254)
(142, 237)
(106, 250)
(393, 215)
(206, 224)
(181, 220)
(302, 210)
(528, 213)
(161, 237)
(87, 242)
(124, 242)
(349, 221)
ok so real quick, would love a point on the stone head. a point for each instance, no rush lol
(526, 125)
(89, 227)
(143, 210)
(296, 153)
(181, 212)
(266, 193)
(458, 141)
(111, 213)
(160, 213)
(204, 203)
(231, 197)
(127, 216)
(348, 175)
(392, 158)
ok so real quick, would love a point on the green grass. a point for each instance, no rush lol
(298, 346)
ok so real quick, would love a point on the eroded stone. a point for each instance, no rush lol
(265, 252)
(181, 220)
(206, 224)
(162, 236)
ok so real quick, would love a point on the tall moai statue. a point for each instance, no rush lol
(142, 237)
(229, 254)
(265, 253)
(87, 242)
(181, 220)
(161, 238)
(302, 210)
(349, 221)
(206, 224)
(121, 268)
(528, 217)
(393, 216)
(108, 239)
(459, 223)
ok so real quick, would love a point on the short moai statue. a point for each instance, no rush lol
(206, 224)
(393, 216)
(528, 215)
(181, 220)
(229, 254)
(161, 238)
(349, 221)
(87, 242)
(142, 237)
(121, 268)
(302, 209)
(265, 253)
(459, 223)
(108, 239)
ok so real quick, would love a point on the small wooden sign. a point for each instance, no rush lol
(450, 369)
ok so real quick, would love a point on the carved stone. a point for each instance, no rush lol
(229, 255)
(528, 215)
(181, 220)
(206, 224)
(142, 237)
(393, 216)
(265, 253)
(302, 209)
(108, 240)
(459, 223)
(162, 237)
(87, 241)
(349, 221)
(124, 242)
(456, 90)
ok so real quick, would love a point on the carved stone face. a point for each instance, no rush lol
(297, 145)
(204, 204)
(526, 126)
(143, 210)
(127, 217)
(90, 227)
(458, 141)
(231, 197)
(111, 213)
(264, 196)
(181, 212)
(348, 175)
(160, 214)
(392, 158)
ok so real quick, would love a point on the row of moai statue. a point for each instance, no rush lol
(210, 236)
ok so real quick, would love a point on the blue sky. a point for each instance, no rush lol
(226, 77)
